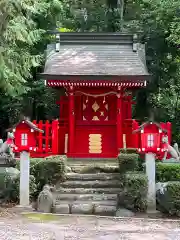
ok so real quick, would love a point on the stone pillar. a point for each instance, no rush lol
(24, 178)
(150, 171)
(71, 121)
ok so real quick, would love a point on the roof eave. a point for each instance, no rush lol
(113, 78)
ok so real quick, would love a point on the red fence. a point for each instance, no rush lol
(47, 142)
(132, 140)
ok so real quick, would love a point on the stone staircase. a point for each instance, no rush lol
(91, 193)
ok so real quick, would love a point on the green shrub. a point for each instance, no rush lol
(169, 202)
(134, 193)
(48, 171)
(127, 162)
(33, 161)
(128, 150)
(11, 193)
(166, 172)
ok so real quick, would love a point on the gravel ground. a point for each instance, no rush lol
(16, 227)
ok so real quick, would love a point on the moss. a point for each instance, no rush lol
(42, 216)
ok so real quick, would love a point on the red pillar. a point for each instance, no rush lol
(71, 121)
(119, 120)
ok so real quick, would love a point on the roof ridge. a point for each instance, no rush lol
(94, 38)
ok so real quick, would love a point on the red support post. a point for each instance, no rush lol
(119, 119)
(135, 136)
(40, 125)
(71, 121)
(47, 136)
(55, 143)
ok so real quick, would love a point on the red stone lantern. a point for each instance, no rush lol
(150, 138)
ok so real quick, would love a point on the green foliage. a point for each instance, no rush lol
(22, 41)
(169, 202)
(48, 171)
(33, 161)
(11, 193)
(134, 193)
(166, 172)
(128, 150)
(127, 162)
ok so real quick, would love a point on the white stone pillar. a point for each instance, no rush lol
(150, 171)
(24, 179)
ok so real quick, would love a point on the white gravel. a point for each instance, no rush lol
(16, 227)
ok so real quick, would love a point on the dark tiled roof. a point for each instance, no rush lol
(90, 55)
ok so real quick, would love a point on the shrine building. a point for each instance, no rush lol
(98, 72)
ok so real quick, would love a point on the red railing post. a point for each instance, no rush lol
(40, 125)
(47, 136)
(135, 136)
(55, 125)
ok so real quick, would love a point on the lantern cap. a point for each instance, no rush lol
(28, 122)
(142, 126)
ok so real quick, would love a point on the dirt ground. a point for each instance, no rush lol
(17, 227)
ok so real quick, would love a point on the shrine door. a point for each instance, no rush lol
(95, 130)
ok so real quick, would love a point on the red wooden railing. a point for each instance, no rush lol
(47, 142)
(132, 140)
(52, 141)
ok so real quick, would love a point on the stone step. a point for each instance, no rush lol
(86, 197)
(88, 190)
(82, 169)
(90, 184)
(85, 208)
(93, 176)
(94, 202)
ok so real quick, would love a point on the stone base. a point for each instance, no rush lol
(62, 209)
(84, 208)
(20, 208)
(104, 210)
(123, 212)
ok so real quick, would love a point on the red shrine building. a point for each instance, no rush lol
(98, 72)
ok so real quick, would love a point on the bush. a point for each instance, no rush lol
(11, 193)
(48, 171)
(134, 194)
(128, 162)
(169, 202)
(128, 150)
(33, 161)
(166, 172)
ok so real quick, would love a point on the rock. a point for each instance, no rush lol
(161, 187)
(82, 208)
(123, 212)
(104, 210)
(68, 169)
(34, 205)
(46, 200)
(62, 208)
